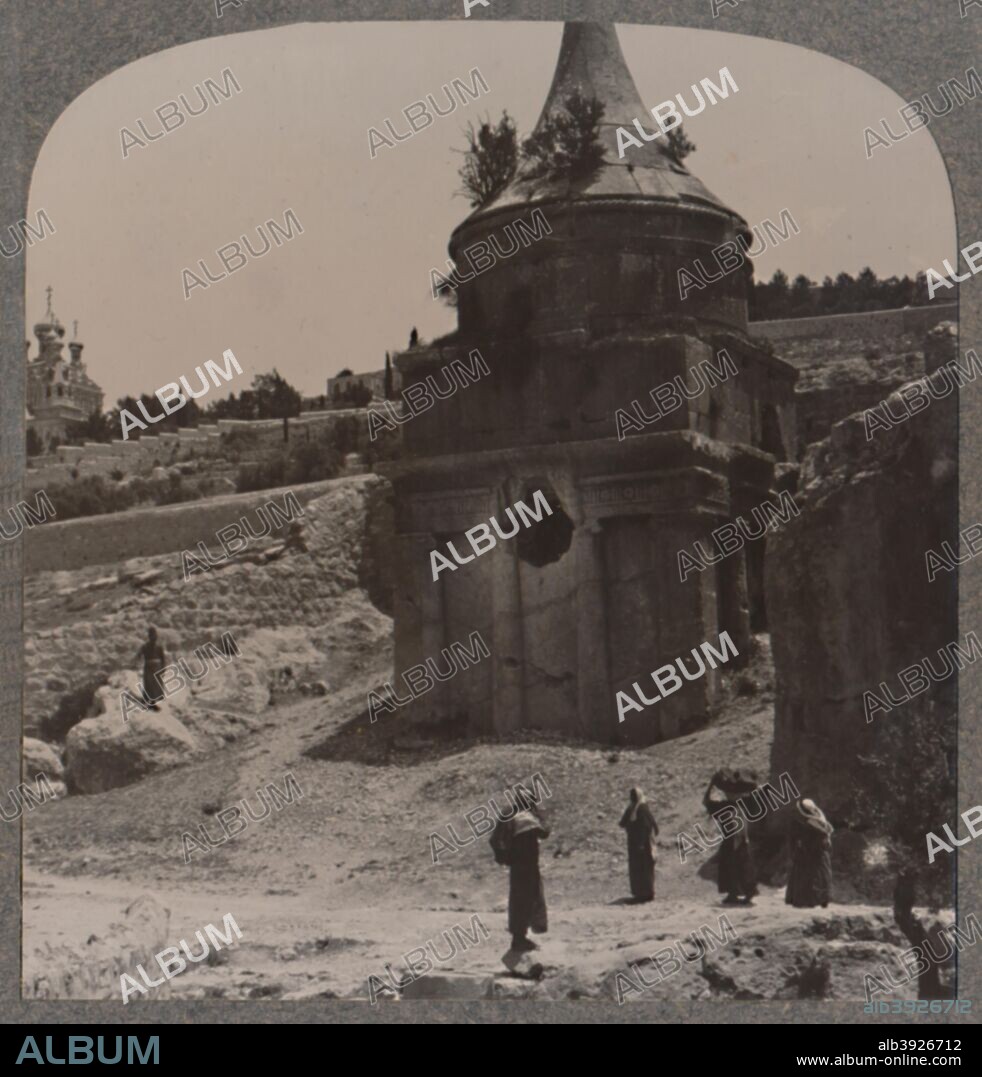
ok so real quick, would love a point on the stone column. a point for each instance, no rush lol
(418, 620)
(597, 714)
(507, 645)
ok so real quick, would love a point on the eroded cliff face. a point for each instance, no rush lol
(851, 606)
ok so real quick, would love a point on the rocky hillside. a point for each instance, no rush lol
(830, 390)
(88, 624)
(333, 887)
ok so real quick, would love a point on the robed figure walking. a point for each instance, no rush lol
(737, 877)
(642, 830)
(515, 842)
(811, 857)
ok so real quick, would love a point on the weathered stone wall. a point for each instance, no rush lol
(92, 620)
(848, 597)
(115, 537)
(871, 325)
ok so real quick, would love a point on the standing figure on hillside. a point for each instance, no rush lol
(515, 842)
(295, 538)
(811, 857)
(642, 830)
(737, 876)
(154, 660)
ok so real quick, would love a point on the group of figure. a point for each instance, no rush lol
(515, 843)
(810, 875)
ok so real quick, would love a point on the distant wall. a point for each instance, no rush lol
(209, 441)
(871, 324)
(115, 537)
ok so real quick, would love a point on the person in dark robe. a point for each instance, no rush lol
(154, 660)
(515, 842)
(737, 876)
(811, 857)
(642, 830)
(295, 537)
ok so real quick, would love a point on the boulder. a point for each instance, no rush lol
(105, 752)
(240, 688)
(41, 758)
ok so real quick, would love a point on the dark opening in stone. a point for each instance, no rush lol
(770, 439)
(544, 542)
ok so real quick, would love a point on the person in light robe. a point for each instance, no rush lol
(811, 857)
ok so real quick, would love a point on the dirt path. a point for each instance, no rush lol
(289, 947)
(329, 889)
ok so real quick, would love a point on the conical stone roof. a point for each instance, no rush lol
(591, 63)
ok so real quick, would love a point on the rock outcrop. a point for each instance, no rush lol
(105, 752)
(850, 604)
(89, 622)
(41, 758)
(124, 742)
(831, 391)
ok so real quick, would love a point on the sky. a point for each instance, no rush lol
(354, 284)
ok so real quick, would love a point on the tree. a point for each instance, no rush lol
(35, 446)
(388, 377)
(846, 287)
(96, 427)
(568, 145)
(844, 295)
(801, 294)
(229, 408)
(867, 289)
(679, 147)
(490, 160)
(906, 789)
(922, 295)
(274, 397)
(776, 295)
(114, 421)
